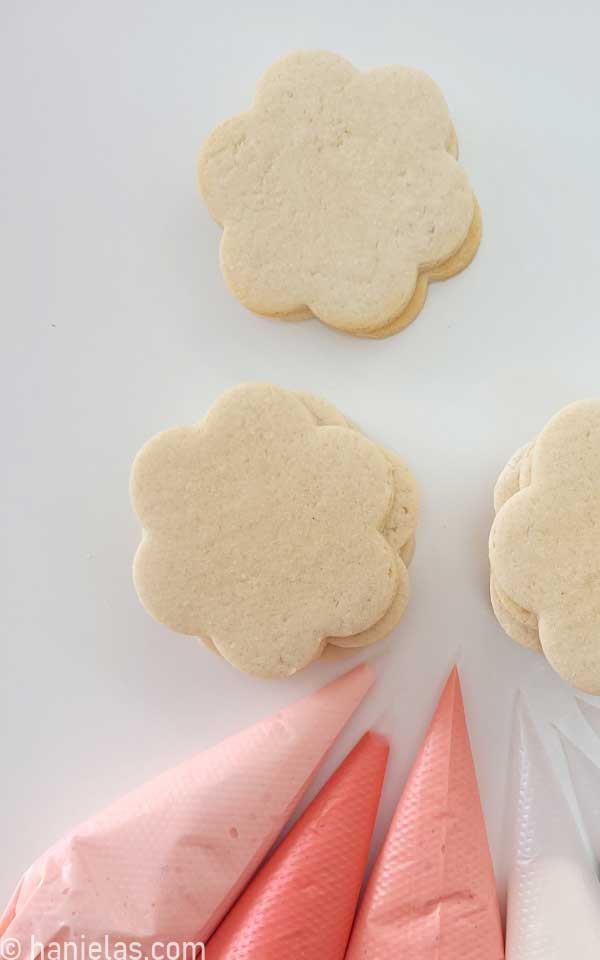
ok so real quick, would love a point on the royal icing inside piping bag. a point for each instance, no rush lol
(166, 862)
(585, 777)
(432, 891)
(553, 892)
(301, 903)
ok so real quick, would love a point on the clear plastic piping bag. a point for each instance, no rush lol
(553, 894)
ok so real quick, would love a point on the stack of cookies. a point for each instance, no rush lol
(340, 195)
(274, 531)
(518, 623)
(545, 545)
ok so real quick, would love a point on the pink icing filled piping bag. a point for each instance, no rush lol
(301, 903)
(167, 861)
(432, 892)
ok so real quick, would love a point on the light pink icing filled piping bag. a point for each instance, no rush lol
(167, 861)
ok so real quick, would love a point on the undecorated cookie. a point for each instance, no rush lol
(339, 194)
(545, 546)
(398, 529)
(263, 531)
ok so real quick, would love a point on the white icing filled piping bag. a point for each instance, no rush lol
(585, 777)
(553, 894)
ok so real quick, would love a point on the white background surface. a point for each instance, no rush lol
(116, 324)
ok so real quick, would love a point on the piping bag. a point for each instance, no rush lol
(585, 777)
(165, 863)
(432, 891)
(301, 903)
(590, 713)
(553, 892)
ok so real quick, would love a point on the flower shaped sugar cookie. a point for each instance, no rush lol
(545, 545)
(271, 534)
(339, 194)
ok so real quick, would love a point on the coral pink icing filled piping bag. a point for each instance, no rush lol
(432, 892)
(167, 861)
(301, 903)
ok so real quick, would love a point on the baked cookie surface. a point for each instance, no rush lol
(545, 545)
(264, 532)
(340, 194)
